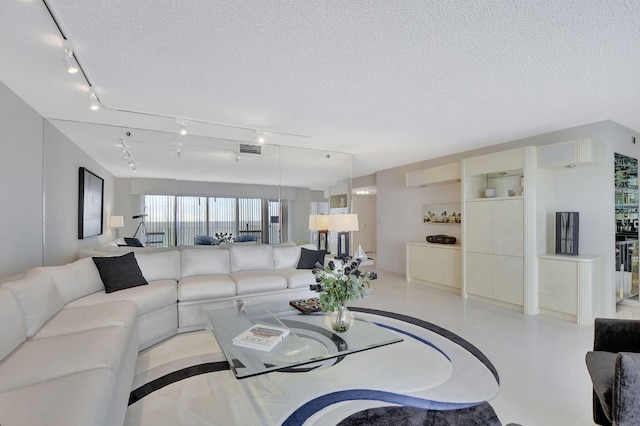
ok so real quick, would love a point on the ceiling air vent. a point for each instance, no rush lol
(246, 148)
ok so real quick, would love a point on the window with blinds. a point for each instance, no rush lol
(182, 218)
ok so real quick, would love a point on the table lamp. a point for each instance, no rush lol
(343, 224)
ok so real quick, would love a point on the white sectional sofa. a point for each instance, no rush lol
(68, 349)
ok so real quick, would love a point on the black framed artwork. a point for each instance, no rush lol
(90, 204)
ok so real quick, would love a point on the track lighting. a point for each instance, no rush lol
(128, 157)
(183, 126)
(238, 158)
(260, 137)
(93, 99)
(69, 60)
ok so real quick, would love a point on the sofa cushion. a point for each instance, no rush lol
(78, 399)
(601, 367)
(13, 329)
(37, 296)
(119, 272)
(308, 258)
(72, 320)
(251, 257)
(147, 298)
(285, 257)
(255, 282)
(204, 287)
(297, 278)
(46, 359)
(76, 279)
(204, 262)
(160, 265)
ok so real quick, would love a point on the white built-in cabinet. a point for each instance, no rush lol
(438, 264)
(570, 286)
(494, 227)
(575, 153)
(445, 173)
(494, 249)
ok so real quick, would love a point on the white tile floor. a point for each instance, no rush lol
(540, 359)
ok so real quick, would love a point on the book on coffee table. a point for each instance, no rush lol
(261, 337)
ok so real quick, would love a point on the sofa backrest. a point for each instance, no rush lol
(37, 296)
(286, 257)
(204, 262)
(76, 279)
(164, 265)
(251, 257)
(13, 329)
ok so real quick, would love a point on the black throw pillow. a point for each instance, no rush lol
(308, 258)
(119, 272)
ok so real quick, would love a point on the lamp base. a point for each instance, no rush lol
(343, 245)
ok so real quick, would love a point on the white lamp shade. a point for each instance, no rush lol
(343, 222)
(319, 222)
(117, 221)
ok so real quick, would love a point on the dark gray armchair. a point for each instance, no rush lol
(614, 367)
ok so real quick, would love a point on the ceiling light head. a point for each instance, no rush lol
(94, 103)
(183, 126)
(238, 158)
(69, 61)
(259, 137)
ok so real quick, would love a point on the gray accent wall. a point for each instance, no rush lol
(21, 235)
(39, 191)
(63, 158)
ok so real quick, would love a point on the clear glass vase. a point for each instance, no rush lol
(341, 319)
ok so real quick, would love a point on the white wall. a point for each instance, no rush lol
(62, 159)
(21, 185)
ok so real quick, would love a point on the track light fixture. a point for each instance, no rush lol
(69, 60)
(183, 126)
(238, 158)
(259, 137)
(128, 157)
(94, 103)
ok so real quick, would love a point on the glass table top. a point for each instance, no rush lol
(310, 341)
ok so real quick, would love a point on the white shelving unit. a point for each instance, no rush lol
(496, 230)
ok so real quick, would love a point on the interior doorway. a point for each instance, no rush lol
(365, 207)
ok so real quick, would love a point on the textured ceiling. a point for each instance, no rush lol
(393, 82)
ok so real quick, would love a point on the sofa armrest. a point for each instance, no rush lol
(616, 335)
(626, 389)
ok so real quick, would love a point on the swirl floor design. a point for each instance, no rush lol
(433, 372)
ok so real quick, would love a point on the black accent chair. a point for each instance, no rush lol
(614, 367)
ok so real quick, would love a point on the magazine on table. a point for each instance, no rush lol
(261, 337)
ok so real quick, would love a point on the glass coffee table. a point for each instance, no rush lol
(311, 340)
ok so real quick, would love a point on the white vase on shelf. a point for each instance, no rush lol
(519, 188)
